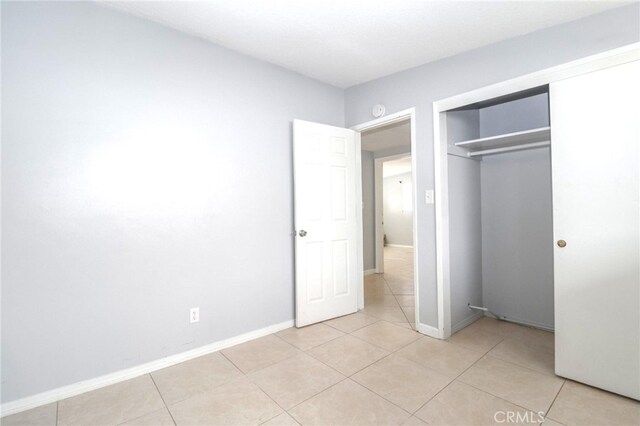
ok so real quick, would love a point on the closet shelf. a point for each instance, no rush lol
(524, 138)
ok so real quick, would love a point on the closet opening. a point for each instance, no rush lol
(500, 211)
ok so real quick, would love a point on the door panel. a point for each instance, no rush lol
(595, 135)
(328, 268)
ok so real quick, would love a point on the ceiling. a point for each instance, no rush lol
(396, 167)
(392, 136)
(347, 42)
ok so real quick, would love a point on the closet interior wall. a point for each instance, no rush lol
(500, 216)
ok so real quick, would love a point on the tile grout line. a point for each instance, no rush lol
(313, 396)
(349, 377)
(336, 328)
(266, 366)
(486, 354)
(324, 363)
(394, 350)
(284, 410)
(246, 375)
(163, 401)
(449, 384)
(320, 344)
(357, 383)
(502, 398)
(57, 411)
(524, 367)
(499, 397)
(232, 363)
(502, 339)
(383, 358)
(554, 400)
(410, 361)
(270, 397)
(345, 377)
(367, 366)
(333, 368)
(349, 332)
(396, 298)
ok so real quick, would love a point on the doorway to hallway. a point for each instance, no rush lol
(388, 247)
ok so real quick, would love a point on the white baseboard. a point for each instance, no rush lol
(74, 389)
(466, 322)
(398, 245)
(370, 272)
(428, 330)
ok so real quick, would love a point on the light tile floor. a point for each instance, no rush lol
(364, 368)
(390, 296)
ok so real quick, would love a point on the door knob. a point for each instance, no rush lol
(302, 233)
(562, 243)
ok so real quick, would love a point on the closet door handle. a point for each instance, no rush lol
(562, 243)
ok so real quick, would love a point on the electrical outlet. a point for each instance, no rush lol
(194, 316)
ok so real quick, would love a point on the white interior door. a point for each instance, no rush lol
(328, 214)
(595, 135)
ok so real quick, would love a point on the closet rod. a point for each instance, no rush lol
(508, 149)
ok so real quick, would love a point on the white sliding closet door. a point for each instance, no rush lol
(595, 134)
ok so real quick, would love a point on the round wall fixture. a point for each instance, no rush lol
(378, 110)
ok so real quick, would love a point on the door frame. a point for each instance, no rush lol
(406, 114)
(544, 77)
(378, 208)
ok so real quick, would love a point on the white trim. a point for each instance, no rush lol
(369, 272)
(529, 81)
(581, 66)
(428, 330)
(410, 114)
(441, 189)
(74, 389)
(360, 260)
(399, 245)
(386, 120)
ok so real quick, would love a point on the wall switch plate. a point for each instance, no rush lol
(194, 315)
(428, 196)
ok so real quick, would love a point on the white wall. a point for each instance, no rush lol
(398, 222)
(421, 86)
(144, 172)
